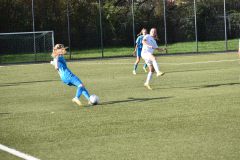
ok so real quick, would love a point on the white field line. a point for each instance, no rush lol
(17, 153)
(128, 63)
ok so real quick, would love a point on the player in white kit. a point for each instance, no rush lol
(149, 45)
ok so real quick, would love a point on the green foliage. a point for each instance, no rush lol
(117, 19)
(234, 21)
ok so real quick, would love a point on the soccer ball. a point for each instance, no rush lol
(94, 100)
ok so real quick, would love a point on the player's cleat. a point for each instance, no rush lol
(147, 86)
(134, 72)
(89, 103)
(76, 100)
(160, 74)
(145, 70)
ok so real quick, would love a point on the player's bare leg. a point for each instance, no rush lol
(149, 77)
(136, 65)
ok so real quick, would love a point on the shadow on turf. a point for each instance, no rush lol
(190, 70)
(198, 87)
(20, 83)
(4, 113)
(131, 99)
(216, 85)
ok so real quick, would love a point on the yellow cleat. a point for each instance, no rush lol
(147, 86)
(89, 103)
(76, 100)
(160, 74)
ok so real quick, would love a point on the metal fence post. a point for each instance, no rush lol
(100, 25)
(165, 23)
(225, 26)
(196, 30)
(53, 41)
(69, 36)
(33, 28)
(133, 23)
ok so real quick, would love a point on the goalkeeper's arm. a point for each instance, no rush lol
(55, 63)
(52, 63)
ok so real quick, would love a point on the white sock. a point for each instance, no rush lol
(149, 77)
(155, 66)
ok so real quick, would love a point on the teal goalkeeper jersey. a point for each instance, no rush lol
(139, 41)
(63, 70)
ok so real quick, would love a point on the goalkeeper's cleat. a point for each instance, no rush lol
(134, 72)
(160, 74)
(77, 101)
(145, 70)
(147, 86)
(89, 103)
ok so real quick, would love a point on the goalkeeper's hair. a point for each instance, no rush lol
(58, 47)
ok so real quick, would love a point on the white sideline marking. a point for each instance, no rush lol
(17, 153)
(121, 63)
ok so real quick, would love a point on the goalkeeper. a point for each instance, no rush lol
(66, 75)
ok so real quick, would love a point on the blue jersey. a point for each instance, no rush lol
(139, 42)
(63, 70)
(69, 78)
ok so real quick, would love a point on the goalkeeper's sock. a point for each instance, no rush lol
(86, 94)
(82, 90)
(135, 66)
(145, 65)
(79, 91)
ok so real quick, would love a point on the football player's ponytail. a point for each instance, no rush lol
(141, 33)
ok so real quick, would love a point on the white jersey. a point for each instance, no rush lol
(150, 41)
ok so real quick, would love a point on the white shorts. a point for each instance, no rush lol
(147, 59)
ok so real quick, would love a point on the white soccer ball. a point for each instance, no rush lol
(94, 99)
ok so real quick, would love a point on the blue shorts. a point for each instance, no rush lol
(139, 52)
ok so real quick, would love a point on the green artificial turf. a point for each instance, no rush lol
(192, 113)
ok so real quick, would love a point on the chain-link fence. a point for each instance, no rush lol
(109, 28)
